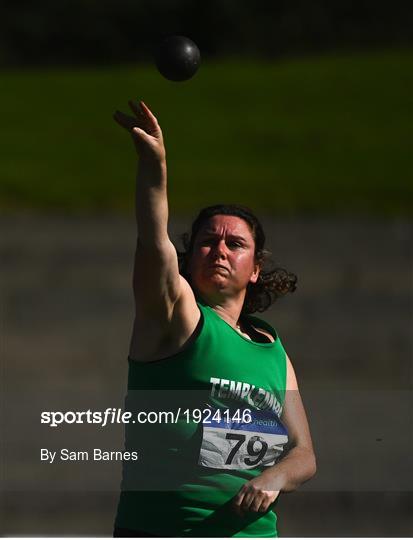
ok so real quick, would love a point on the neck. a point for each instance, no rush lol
(228, 309)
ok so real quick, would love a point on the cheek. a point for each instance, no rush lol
(200, 254)
(196, 260)
(244, 260)
(245, 265)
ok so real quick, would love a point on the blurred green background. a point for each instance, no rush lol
(296, 109)
(322, 134)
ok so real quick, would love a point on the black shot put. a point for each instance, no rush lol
(177, 58)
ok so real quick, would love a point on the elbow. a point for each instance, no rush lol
(312, 465)
(309, 462)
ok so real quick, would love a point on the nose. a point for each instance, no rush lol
(220, 249)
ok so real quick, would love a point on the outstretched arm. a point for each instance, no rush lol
(156, 280)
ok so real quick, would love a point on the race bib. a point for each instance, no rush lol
(234, 443)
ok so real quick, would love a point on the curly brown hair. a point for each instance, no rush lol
(271, 284)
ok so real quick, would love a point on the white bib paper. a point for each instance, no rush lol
(229, 444)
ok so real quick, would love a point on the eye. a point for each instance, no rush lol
(206, 241)
(234, 244)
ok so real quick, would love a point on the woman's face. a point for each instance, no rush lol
(222, 259)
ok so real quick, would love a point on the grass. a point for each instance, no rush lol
(326, 135)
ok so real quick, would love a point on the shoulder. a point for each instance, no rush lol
(292, 383)
(262, 326)
(153, 338)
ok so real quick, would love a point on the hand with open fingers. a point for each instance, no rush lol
(257, 495)
(144, 129)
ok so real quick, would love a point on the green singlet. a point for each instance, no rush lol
(189, 470)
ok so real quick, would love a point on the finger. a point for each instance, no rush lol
(238, 498)
(137, 112)
(257, 503)
(264, 506)
(237, 501)
(267, 503)
(248, 501)
(140, 134)
(145, 121)
(126, 121)
(148, 113)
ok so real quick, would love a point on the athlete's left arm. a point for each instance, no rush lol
(298, 466)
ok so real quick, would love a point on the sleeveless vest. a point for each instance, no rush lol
(215, 408)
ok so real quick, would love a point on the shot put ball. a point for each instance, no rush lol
(178, 58)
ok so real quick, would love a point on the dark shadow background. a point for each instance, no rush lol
(65, 277)
(85, 31)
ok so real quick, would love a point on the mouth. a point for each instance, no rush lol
(218, 266)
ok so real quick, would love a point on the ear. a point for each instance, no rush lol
(255, 274)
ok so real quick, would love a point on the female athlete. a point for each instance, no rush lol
(218, 472)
